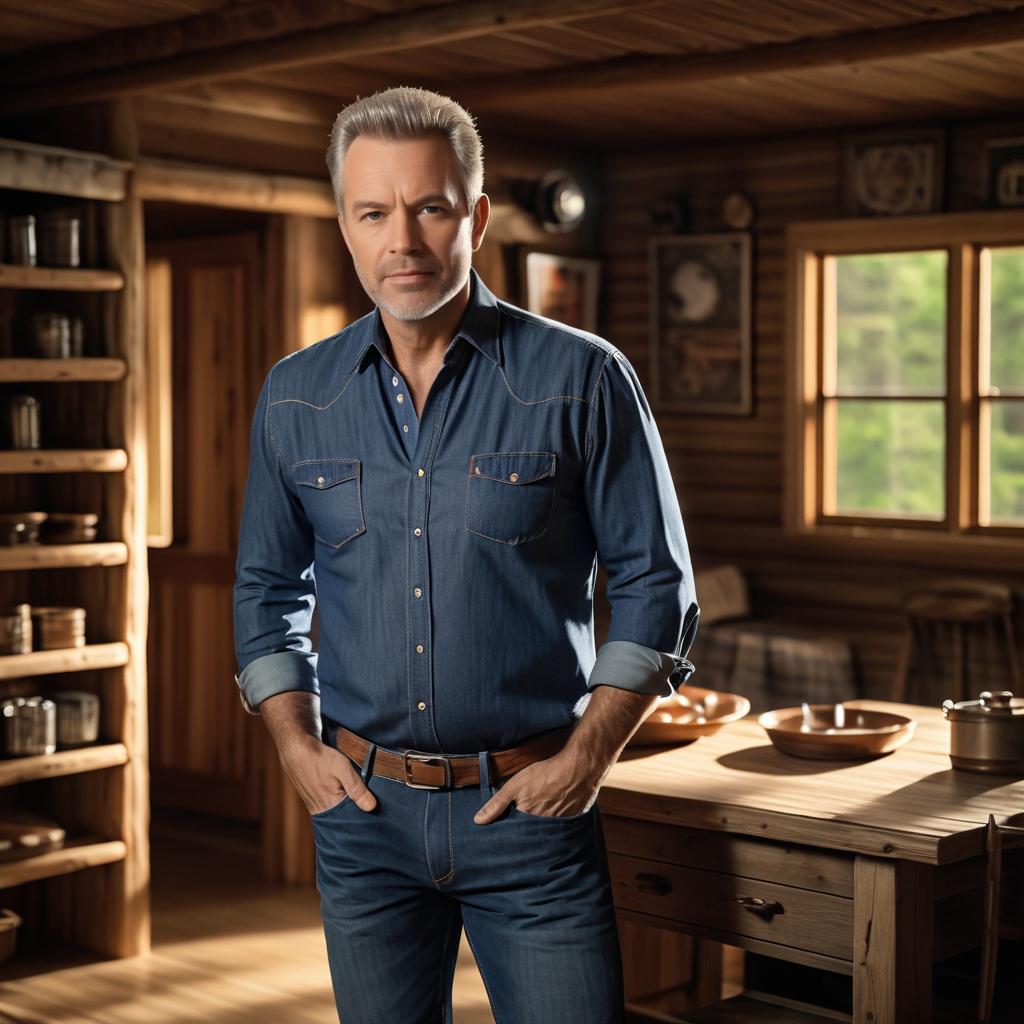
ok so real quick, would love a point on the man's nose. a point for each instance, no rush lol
(405, 235)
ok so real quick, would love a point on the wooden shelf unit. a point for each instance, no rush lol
(63, 556)
(64, 659)
(63, 762)
(86, 368)
(73, 856)
(64, 460)
(93, 893)
(64, 279)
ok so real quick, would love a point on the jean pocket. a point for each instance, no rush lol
(332, 495)
(510, 495)
(315, 815)
(552, 817)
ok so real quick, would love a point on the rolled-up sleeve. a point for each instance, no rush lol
(275, 592)
(641, 542)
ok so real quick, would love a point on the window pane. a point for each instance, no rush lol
(891, 323)
(1007, 319)
(1006, 498)
(890, 458)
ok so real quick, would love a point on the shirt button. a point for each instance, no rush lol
(417, 592)
(422, 706)
(320, 481)
(401, 398)
(419, 648)
(394, 380)
(513, 477)
(419, 472)
(405, 427)
(417, 531)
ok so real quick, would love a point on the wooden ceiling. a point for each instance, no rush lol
(596, 71)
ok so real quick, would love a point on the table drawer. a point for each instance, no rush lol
(801, 918)
(806, 867)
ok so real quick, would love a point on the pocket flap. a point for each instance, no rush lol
(326, 473)
(513, 467)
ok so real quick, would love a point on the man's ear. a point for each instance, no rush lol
(481, 215)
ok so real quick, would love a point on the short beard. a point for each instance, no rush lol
(424, 306)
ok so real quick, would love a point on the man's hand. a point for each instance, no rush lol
(558, 786)
(568, 783)
(322, 775)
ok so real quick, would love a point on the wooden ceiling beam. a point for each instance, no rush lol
(436, 25)
(973, 32)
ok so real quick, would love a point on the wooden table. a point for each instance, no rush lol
(874, 869)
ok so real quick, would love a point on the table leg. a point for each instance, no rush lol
(893, 937)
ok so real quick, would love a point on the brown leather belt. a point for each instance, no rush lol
(423, 770)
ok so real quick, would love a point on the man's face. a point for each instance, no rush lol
(406, 223)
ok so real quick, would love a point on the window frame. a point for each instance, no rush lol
(809, 248)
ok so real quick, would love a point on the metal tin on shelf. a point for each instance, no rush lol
(59, 238)
(50, 335)
(78, 717)
(23, 418)
(20, 527)
(30, 726)
(21, 237)
(16, 629)
(58, 627)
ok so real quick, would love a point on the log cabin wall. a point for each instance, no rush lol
(729, 470)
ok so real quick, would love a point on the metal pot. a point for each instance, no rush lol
(987, 735)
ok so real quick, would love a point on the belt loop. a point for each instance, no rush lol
(371, 750)
(485, 773)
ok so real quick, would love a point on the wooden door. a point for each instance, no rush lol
(206, 753)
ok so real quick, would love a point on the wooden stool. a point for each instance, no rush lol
(945, 607)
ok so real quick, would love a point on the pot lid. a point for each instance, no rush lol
(990, 704)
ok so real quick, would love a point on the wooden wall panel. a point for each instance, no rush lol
(729, 471)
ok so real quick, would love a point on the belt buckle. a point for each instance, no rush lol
(415, 755)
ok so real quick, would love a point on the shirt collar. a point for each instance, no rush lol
(479, 325)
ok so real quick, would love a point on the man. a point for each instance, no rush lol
(444, 474)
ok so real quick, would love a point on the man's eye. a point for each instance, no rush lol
(438, 209)
(372, 215)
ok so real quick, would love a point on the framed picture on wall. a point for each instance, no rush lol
(564, 288)
(894, 173)
(1003, 172)
(700, 323)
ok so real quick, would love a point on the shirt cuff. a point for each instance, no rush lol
(631, 666)
(276, 673)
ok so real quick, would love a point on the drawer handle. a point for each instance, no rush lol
(763, 908)
(653, 885)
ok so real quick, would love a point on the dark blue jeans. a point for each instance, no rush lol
(397, 886)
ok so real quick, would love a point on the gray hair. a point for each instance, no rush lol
(406, 112)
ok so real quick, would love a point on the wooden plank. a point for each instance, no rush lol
(87, 368)
(63, 460)
(181, 182)
(31, 167)
(76, 855)
(63, 556)
(892, 964)
(67, 279)
(62, 762)
(385, 33)
(649, 72)
(71, 659)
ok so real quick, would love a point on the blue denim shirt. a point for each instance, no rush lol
(452, 560)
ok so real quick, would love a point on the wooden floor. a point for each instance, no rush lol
(227, 949)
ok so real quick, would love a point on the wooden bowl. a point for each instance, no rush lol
(689, 714)
(865, 734)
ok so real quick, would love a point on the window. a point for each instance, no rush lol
(905, 384)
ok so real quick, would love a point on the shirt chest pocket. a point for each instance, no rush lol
(331, 494)
(510, 495)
